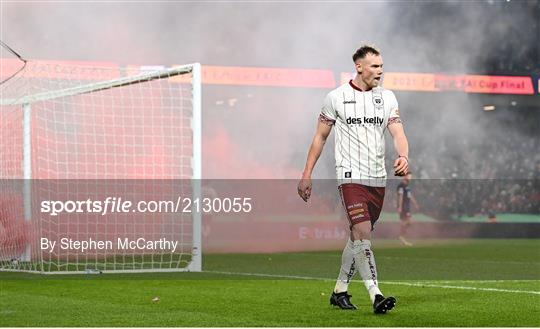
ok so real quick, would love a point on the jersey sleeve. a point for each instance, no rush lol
(328, 112)
(393, 117)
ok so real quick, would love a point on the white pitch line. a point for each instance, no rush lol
(429, 285)
(482, 281)
(418, 259)
(277, 276)
(462, 287)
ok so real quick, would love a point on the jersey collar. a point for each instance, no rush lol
(355, 87)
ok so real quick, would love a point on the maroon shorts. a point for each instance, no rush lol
(361, 202)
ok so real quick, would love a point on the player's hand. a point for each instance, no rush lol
(399, 210)
(304, 188)
(401, 166)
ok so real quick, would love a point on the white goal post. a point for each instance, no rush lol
(88, 135)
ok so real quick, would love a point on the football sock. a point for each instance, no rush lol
(365, 264)
(347, 269)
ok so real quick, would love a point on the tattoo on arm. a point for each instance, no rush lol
(326, 121)
(394, 120)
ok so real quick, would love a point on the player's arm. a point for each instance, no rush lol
(401, 145)
(315, 150)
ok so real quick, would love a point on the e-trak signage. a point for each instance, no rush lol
(365, 121)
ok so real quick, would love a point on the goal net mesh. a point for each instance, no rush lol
(74, 133)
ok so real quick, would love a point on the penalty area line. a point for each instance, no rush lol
(427, 285)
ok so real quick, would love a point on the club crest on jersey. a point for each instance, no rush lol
(378, 101)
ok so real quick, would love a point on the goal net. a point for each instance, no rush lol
(77, 143)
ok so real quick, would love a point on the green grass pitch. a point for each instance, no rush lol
(437, 283)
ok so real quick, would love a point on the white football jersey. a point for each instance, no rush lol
(360, 119)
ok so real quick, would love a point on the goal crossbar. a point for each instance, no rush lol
(98, 86)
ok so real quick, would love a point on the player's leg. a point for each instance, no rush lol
(405, 218)
(340, 296)
(347, 270)
(365, 260)
(355, 200)
(363, 206)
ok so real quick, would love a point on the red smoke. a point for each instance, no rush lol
(223, 158)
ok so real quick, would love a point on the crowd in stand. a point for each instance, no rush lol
(467, 175)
